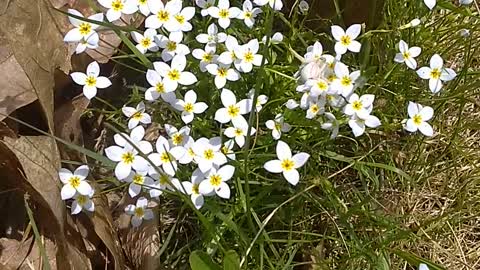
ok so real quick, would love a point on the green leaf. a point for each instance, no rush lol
(231, 261)
(199, 260)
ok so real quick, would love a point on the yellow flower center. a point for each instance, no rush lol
(164, 179)
(142, 2)
(137, 115)
(128, 158)
(238, 132)
(146, 42)
(174, 75)
(314, 108)
(223, 13)
(177, 139)
(188, 107)
(208, 154)
(195, 189)
(331, 65)
(222, 72)
(406, 55)
(180, 18)
(82, 200)
(435, 73)
(331, 78)
(417, 119)
(139, 212)
(287, 164)
(138, 179)
(345, 40)
(117, 5)
(163, 15)
(165, 157)
(85, 28)
(207, 57)
(171, 46)
(215, 180)
(190, 152)
(160, 88)
(346, 81)
(225, 149)
(74, 181)
(248, 14)
(278, 126)
(91, 81)
(233, 110)
(322, 85)
(357, 105)
(248, 57)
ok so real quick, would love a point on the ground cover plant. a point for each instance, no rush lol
(259, 135)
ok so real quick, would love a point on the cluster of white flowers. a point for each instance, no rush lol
(75, 186)
(432, 3)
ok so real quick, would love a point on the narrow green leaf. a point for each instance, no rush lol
(199, 260)
(415, 260)
(231, 261)
(134, 49)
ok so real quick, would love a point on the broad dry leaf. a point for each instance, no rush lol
(31, 49)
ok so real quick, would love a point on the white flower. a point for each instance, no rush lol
(261, 99)
(91, 42)
(303, 7)
(164, 181)
(177, 137)
(232, 110)
(162, 14)
(286, 163)
(82, 202)
(275, 4)
(291, 104)
(171, 46)
(249, 13)
(204, 5)
(358, 124)
(227, 149)
(332, 124)
(223, 12)
(238, 133)
(189, 154)
(278, 126)
(180, 21)
(138, 180)
(139, 212)
(146, 42)
(136, 115)
(158, 88)
(359, 106)
(165, 156)
(407, 55)
(91, 81)
(222, 73)
(346, 40)
(126, 155)
(465, 33)
(117, 7)
(143, 7)
(174, 74)
(419, 115)
(83, 31)
(276, 38)
(212, 37)
(430, 3)
(247, 56)
(208, 153)
(319, 87)
(215, 181)
(336, 101)
(229, 56)
(192, 188)
(436, 73)
(415, 22)
(189, 107)
(345, 80)
(317, 107)
(465, 2)
(74, 182)
(206, 56)
(423, 266)
(314, 52)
